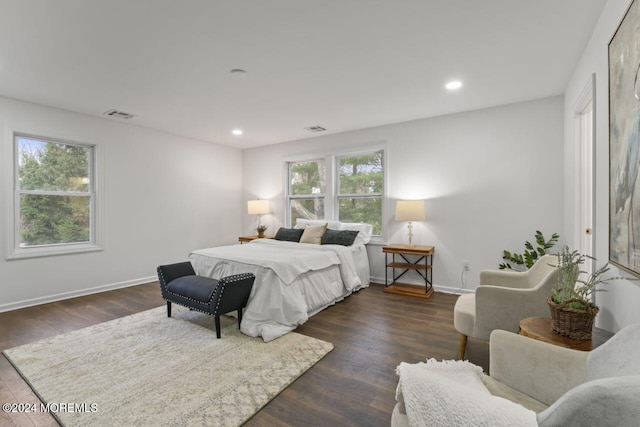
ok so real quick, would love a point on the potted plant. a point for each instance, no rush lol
(571, 306)
(261, 229)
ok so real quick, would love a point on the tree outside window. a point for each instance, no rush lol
(307, 187)
(360, 189)
(54, 192)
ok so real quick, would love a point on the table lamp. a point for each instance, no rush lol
(410, 210)
(258, 207)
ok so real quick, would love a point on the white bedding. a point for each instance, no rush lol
(293, 280)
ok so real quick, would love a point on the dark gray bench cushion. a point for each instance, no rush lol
(196, 288)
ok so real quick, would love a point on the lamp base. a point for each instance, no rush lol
(410, 228)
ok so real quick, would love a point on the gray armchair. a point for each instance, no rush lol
(503, 299)
(568, 388)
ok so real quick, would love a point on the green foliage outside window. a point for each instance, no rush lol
(307, 179)
(54, 185)
(361, 182)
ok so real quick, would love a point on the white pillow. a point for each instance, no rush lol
(301, 223)
(313, 234)
(364, 231)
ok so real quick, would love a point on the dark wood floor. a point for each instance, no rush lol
(354, 385)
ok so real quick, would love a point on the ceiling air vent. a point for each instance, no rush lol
(118, 114)
(315, 129)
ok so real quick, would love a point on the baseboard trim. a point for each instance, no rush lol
(73, 294)
(437, 288)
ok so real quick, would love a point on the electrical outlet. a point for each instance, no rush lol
(466, 265)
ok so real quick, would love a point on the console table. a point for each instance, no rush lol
(425, 269)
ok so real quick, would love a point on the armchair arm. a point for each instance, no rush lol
(509, 279)
(541, 370)
(504, 308)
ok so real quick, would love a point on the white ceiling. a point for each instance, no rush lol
(341, 64)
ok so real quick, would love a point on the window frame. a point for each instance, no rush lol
(289, 197)
(330, 197)
(381, 195)
(14, 250)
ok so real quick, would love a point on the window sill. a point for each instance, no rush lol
(377, 241)
(47, 251)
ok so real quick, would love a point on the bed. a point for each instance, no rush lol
(293, 280)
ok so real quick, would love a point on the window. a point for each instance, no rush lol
(360, 183)
(345, 187)
(54, 196)
(306, 192)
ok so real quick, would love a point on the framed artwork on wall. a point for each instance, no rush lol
(624, 142)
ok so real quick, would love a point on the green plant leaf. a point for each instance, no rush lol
(530, 254)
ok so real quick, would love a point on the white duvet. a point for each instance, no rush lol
(293, 280)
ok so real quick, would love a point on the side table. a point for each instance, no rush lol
(425, 270)
(245, 239)
(539, 328)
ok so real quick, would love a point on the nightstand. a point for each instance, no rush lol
(245, 239)
(425, 269)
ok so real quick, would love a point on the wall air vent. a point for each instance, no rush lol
(315, 129)
(118, 114)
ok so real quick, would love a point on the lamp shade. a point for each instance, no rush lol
(410, 210)
(258, 207)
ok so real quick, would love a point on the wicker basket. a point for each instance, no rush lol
(570, 322)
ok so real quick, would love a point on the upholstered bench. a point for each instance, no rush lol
(179, 284)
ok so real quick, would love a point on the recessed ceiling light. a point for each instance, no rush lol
(237, 72)
(237, 132)
(453, 85)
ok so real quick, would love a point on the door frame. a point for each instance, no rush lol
(584, 132)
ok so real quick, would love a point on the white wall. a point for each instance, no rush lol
(618, 306)
(164, 196)
(491, 178)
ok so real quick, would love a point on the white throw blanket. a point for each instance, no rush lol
(344, 253)
(451, 393)
(287, 259)
(287, 262)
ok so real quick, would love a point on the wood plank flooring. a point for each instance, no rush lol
(354, 385)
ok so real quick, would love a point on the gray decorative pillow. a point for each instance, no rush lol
(339, 237)
(289, 234)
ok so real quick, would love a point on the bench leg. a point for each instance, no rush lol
(239, 317)
(168, 308)
(217, 319)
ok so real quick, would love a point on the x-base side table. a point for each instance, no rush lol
(425, 269)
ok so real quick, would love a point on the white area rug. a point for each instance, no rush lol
(150, 370)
